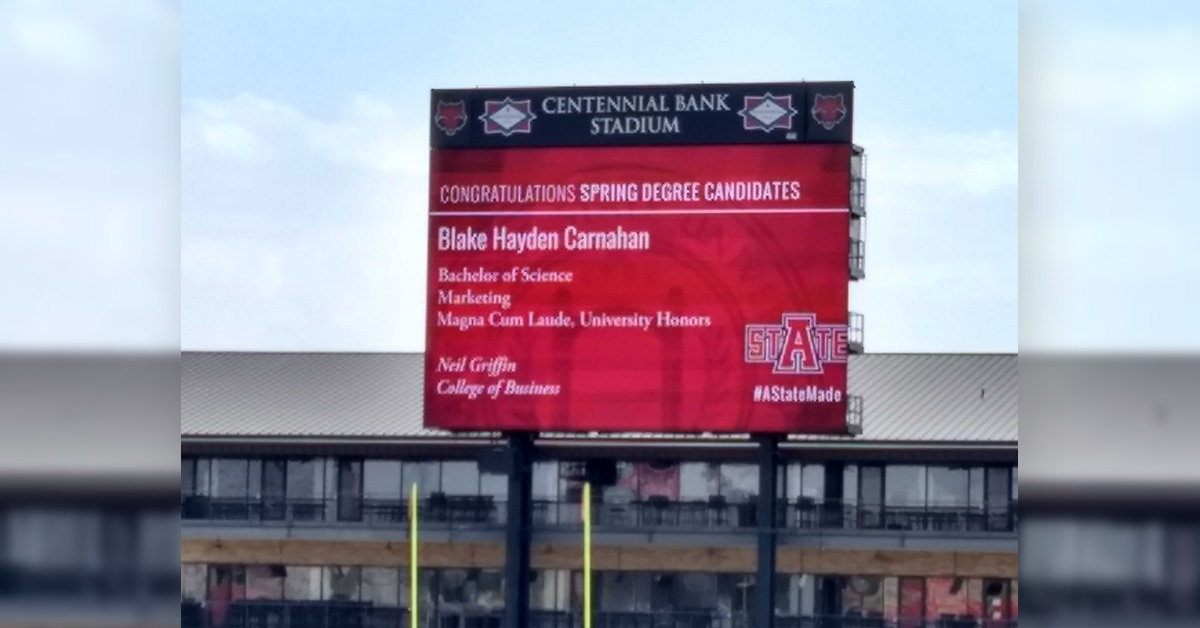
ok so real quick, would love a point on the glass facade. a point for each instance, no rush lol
(232, 595)
(627, 493)
(684, 495)
(241, 595)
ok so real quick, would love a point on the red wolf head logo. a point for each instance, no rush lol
(450, 116)
(828, 111)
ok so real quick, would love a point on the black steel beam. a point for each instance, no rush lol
(518, 529)
(764, 589)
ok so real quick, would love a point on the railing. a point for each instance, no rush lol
(854, 333)
(278, 614)
(858, 252)
(805, 515)
(446, 510)
(854, 414)
(715, 514)
(858, 195)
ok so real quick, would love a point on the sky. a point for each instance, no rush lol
(232, 175)
(304, 149)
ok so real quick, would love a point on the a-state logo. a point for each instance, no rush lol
(767, 112)
(797, 345)
(450, 117)
(828, 111)
(507, 116)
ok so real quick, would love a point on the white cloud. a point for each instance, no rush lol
(233, 140)
(301, 231)
(964, 164)
(941, 241)
(1134, 75)
(89, 191)
(1108, 211)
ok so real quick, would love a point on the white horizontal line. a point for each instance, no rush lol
(645, 212)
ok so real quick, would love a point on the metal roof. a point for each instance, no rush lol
(913, 398)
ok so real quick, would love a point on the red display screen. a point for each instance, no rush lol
(647, 289)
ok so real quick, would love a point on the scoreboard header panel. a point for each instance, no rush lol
(760, 113)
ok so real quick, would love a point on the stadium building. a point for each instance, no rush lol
(296, 466)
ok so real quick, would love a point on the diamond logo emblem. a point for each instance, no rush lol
(508, 116)
(767, 112)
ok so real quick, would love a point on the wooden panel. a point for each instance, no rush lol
(986, 565)
(789, 560)
(367, 553)
(878, 562)
(487, 555)
(604, 558)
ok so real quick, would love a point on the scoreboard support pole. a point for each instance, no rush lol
(518, 529)
(768, 488)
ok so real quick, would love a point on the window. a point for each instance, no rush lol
(187, 476)
(274, 487)
(193, 593)
(230, 488)
(813, 482)
(735, 593)
(545, 493)
(470, 592)
(264, 582)
(192, 585)
(976, 488)
(226, 585)
(656, 480)
(381, 592)
(460, 477)
(302, 583)
(425, 592)
(305, 486)
(863, 596)
(905, 486)
(384, 496)
(491, 590)
(203, 476)
(870, 496)
(383, 482)
(231, 478)
(948, 599)
(425, 474)
(254, 476)
(550, 590)
(739, 482)
(850, 484)
(342, 584)
(623, 591)
(545, 480)
(793, 595)
(911, 605)
(949, 487)
(996, 601)
(381, 586)
(494, 485)
(694, 591)
(350, 489)
(999, 486)
(698, 481)
(793, 481)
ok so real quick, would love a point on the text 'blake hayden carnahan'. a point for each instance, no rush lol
(571, 238)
